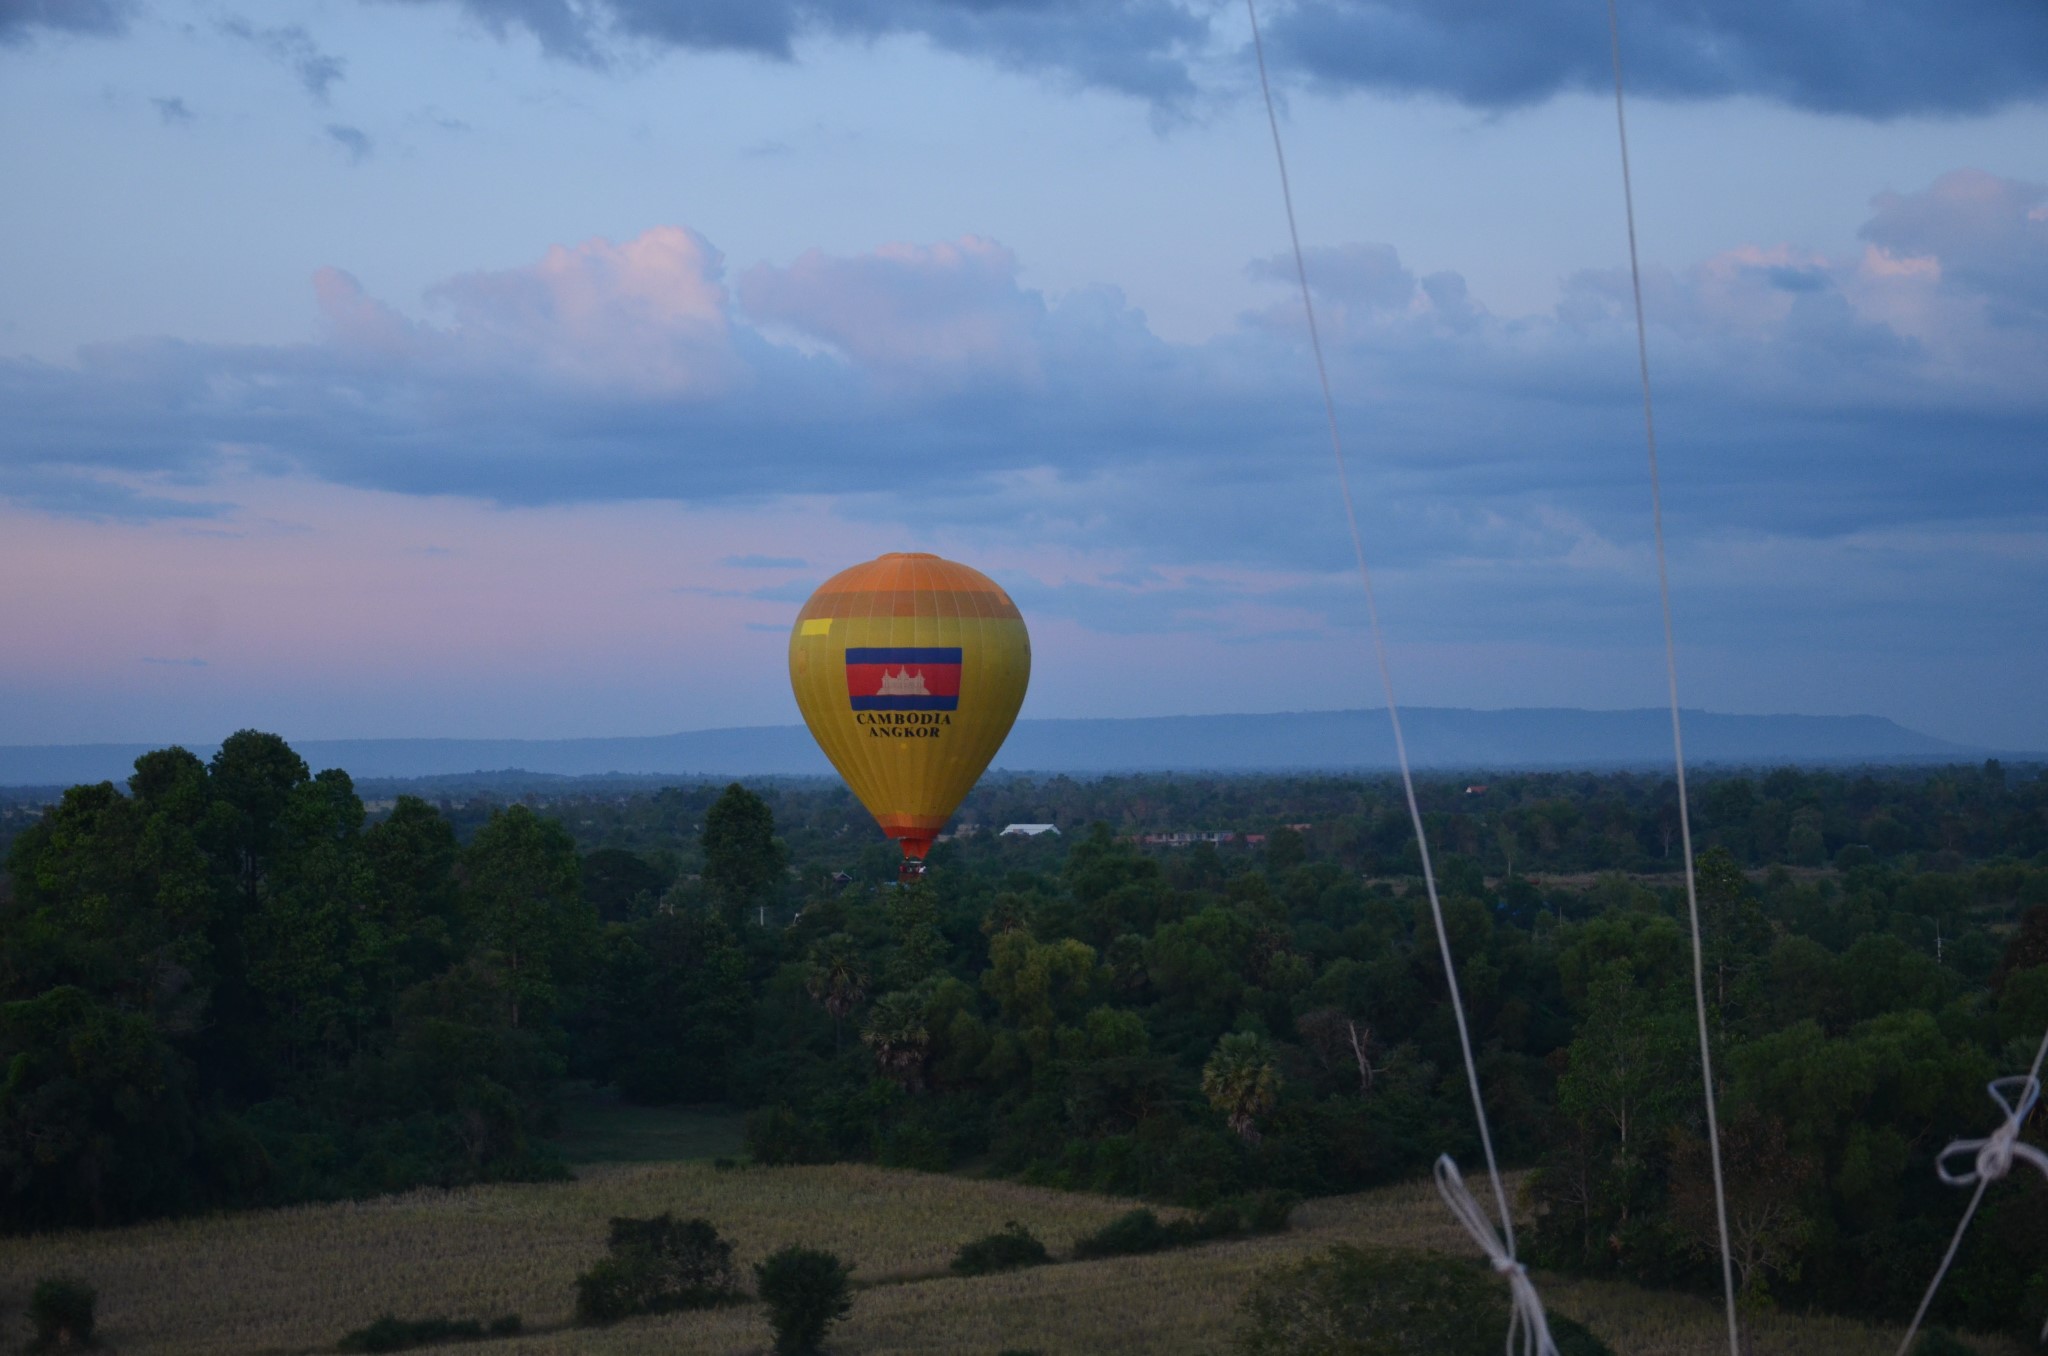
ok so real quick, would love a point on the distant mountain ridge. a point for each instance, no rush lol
(1438, 737)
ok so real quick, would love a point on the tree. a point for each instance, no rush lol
(303, 935)
(95, 1127)
(1766, 1188)
(252, 775)
(920, 949)
(896, 1032)
(669, 1006)
(621, 885)
(837, 981)
(414, 912)
(2027, 949)
(743, 863)
(806, 1292)
(1239, 1081)
(1038, 985)
(525, 905)
(1625, 1076)
(1734, 932)
(1340, 1040)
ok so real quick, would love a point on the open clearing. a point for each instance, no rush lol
(296, 1280)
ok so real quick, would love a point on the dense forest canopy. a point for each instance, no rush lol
(236, 983)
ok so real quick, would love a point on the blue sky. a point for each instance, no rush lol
(512, 367)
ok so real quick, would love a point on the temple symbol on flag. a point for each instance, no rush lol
(904, 684)
(903, 677)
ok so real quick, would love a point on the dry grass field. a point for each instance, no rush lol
(297, 1280)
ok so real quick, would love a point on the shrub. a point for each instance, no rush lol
(806, 1292)
(1267, 1212)
(1142, 1231)
(61, 1311)
(1014, 1247)
(1936, 1342)
(391, 1333)
(1136, 1232)
(1353, 1302)
(776, 1135)
(654, 1266)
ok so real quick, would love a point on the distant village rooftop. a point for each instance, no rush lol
(1028, 830)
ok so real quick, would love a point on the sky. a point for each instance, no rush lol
(515, 368)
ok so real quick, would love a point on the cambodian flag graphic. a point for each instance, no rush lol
(903, 679)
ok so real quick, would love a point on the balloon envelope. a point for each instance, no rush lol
(909, 671)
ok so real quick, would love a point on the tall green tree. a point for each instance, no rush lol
(743, 862)
(669, 1007)
(413, 917)
(252, 776)
(525, 909)
(303, 937)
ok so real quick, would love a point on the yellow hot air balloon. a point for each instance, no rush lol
(909, 671)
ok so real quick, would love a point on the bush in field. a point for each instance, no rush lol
(1936, 1342)
(806, 1292)
(391, 1333)
(61, 1311)
(656, 1265)
(1261, 1212)
(1353, 1302)
(776, 1135)
(1014, 1247)
(1141, 1231)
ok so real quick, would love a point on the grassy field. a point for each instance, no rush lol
(297, 1280)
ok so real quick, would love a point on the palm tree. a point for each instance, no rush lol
(837, 982)
(1239, 1081)
(896, 1032)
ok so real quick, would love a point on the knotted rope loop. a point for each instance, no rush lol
(1991, 1158)
(1528, 1329)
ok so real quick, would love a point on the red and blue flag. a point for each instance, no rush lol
(904, 678)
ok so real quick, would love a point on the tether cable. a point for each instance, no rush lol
(1692, 897)
(1534, 1329)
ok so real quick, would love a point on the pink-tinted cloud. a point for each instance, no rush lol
(649, 317)
(945, 314)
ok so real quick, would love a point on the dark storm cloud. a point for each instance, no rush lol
(1868, 58)
(20, 19)
(1139, 47)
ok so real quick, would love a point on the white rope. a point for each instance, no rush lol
(1379, 652)
(1991, 1159)
(1692, 900)
(1525, 1315)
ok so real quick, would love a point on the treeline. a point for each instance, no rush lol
(223, 988)
(305, 1003)
(1528, 824)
